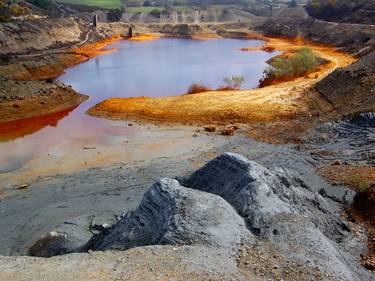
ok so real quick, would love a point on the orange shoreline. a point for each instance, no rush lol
(277, 102)
(67, 59)
(144, 37)
(74, 56)
(12, 130)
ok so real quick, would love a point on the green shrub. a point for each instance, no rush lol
(302, 62)
(233, 83)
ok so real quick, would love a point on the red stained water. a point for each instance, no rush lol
(151, 68)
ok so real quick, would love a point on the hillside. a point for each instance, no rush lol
(360, 11)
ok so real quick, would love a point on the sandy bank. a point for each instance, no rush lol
(47, 102)
(274, 103)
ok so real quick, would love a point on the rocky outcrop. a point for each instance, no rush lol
(351, 89)
(257, 194)
(181, 30)
(31, 99)
(23, 36)
(294, 22)
(359, 11)
(281, 208)
(228, 205)
(172, 214)
(351, 140)
(366, 119)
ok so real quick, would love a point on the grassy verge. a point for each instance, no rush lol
(145, 10)
(109, 4)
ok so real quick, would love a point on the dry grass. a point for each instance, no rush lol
(359, 178)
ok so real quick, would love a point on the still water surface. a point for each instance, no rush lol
(163, 67)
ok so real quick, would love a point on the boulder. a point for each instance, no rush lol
(172, 214)
(69, 237)
(232, 203)
(281, 208)
(257, 194)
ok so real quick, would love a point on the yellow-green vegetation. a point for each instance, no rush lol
(358, 181)
(302, 62)
(147, 10)
(138, 6)
(233, 83)
(109, 4)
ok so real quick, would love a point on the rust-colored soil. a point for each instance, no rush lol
(55, 101)
(283, 102)
(19, 128)
(144, 37)
(358, 178)
(63, 60)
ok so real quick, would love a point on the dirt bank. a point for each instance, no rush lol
(282, 102)
(23, 100)
(22, 97)
(12, 130)
(358, 39)
(55, 62)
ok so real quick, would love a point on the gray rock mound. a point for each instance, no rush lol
(282, 209)
(257, 194)
(222, 205)
(366, 119)
(172, 214)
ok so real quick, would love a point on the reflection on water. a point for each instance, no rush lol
(151, 68)
(20, 128)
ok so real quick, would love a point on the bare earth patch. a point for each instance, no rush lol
(63, 59)
(359, 178)
(56, 100)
